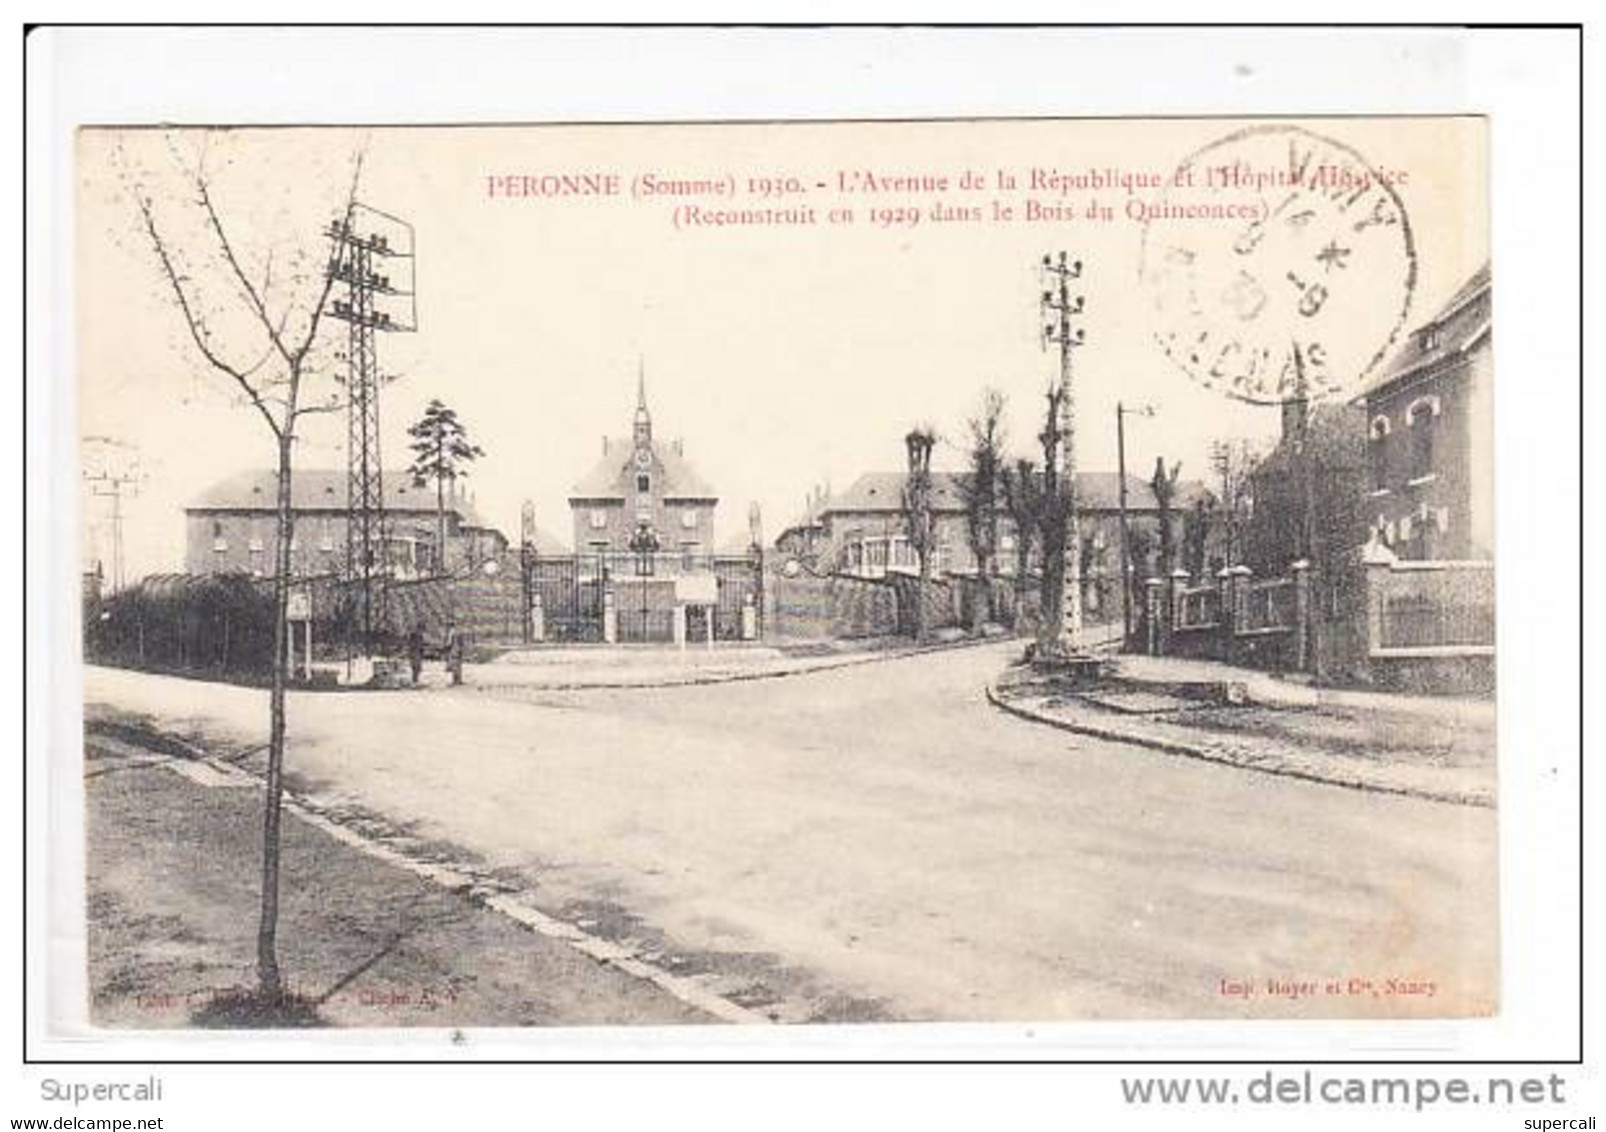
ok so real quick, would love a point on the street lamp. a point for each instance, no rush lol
(645, 544)
(1121, 413)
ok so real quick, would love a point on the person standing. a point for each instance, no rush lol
(454, 653)
(415, 653)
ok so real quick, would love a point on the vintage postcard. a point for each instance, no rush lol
(800, 573)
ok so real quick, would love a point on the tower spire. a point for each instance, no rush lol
(643, 428)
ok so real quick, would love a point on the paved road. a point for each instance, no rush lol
(879, 842)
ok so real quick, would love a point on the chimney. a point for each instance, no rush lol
(680, 449)
(604, 445)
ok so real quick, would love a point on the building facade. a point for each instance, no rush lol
(1429, 435)
(232, 527)
(861, 532)
(640, 492)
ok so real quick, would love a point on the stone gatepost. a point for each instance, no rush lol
(610, 618)
(1174, 604)
(1303, 660)
(680, 624)
(749, 618)
(537, 619)
(1226, 615)
(1377, 560)
(1152, 603)
(1234, 608)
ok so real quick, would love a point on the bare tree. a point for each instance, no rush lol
(919, 521)
(1022, 487)
(1164, 485)
(982, 487)
(266, 353)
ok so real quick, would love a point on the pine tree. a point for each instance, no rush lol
(441, 452)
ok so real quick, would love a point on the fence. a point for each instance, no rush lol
(1200, 607)
(1268, 605)
(1233, 618)
(486, 610)
(642, 599)
(809, 607)
(219, 625)
(1434, 606)
(1418, 626)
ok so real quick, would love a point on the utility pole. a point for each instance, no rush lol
(114, 486)
(358, 243)
(1307, 521)
(1121, 413)
(1058, 305)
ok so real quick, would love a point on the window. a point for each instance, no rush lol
(643, 484)
(1378, 453)
(688, 519)
(1422, 418)
(599, 519)
(220, 545)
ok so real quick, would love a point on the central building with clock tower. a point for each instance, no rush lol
(642, 495)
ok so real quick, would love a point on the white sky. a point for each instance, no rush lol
(783, 357)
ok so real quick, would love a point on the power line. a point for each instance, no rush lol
(358, 242)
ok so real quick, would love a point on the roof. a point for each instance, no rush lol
(607, 477)
(1457, 335)
(547, 543)
(1337, 432)
(323, 489)
(1096, 491)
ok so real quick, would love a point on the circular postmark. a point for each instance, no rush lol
(1279, 264)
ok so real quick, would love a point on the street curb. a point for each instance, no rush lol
(461, 881)
(1171, 747)
(741, 677)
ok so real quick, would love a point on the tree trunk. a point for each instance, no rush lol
(1051, 620)
(923, 578)
(440, 520)
(271, 986)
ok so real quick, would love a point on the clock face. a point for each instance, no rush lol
(643, 458)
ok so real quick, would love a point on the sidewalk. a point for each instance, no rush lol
(171, 872)
(1440, 749)
(575, 667)
(1276, 691)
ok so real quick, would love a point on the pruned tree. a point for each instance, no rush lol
(441, 454)
(1022, 489)
(1196, 523)
(255, 323)
(918, 518)
(982, 488)
(1164, 485)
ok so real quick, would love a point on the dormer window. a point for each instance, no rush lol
(1430, 338)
